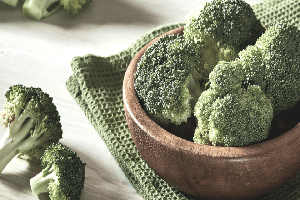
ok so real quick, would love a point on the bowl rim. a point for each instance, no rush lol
(164, 137)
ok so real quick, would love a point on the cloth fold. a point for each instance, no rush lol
(96, 86)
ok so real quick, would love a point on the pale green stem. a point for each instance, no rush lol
(39, 184)
(7, 150)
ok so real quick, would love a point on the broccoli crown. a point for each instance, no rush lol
(30, 102)
(231, 22)
(19, 96)
(273, 63)
(163, 78)
(69, 171)
(232, 112)
(221, 28)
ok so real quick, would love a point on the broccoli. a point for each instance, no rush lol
(62, 176)
(37, 9)
(11, 2)
(33, 123)
(273, 64)
(232, 112)
(223, 28)
(166, 82)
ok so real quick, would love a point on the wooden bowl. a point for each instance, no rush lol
(209, 172)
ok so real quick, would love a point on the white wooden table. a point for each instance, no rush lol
(38, 54)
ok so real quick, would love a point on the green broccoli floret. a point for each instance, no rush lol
(273, 63)
(223, 28)
(232, 112)
(33, 123)
(11, 2)
(62, 176)
(37, 9)
(166, 81)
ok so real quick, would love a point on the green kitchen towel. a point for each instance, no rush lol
(96, 86)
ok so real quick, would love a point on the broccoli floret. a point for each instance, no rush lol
(232, 112)
(273, 63)
(223, 28)
(166, 81)
(62, 176)
(11, 2)
(33, 123)
(37, 9)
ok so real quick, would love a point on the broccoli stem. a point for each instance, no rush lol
(12, 142)
(39, 184)
(37, 9)
(11, 2)
(195, 90)
(7, 150)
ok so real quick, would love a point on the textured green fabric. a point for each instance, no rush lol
(96, 86)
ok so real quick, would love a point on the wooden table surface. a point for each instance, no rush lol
(38, 54)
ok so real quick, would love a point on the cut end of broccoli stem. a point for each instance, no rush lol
(11, 2)
(39, 184)
(41, 8)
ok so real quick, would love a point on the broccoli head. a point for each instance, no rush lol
(232, 112)
(33, 123)
(166, 81)
(223, 28)
(62, 176)
(273, 63)
(37, 9)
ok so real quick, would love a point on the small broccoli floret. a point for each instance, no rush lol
(73, 6)
(33, 123)
(62, 176)
(166, 81)
(222, 28)
(273, 63)
(37, 9)
(232, 112)
(11, 2)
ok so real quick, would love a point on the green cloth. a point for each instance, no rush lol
(96, 86)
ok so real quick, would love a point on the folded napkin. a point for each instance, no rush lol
(96, 86)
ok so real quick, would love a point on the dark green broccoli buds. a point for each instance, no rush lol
(222, 28)
(165, 80)
(230, 112)
(273, 63)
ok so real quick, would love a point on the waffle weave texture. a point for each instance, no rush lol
(96, 86)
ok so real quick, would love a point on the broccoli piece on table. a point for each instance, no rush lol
(232, 112)
(274, 64)
(166, 81)
(11, 2)
(37, 9)
(33, 123)
(63, 174)
(222, 28)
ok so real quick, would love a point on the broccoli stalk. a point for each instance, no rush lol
(39, 184)
(11, 2)
(62, 176)
(41, 8)
(33, 124)
(37, 9)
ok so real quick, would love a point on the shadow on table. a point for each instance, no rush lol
(96, 12)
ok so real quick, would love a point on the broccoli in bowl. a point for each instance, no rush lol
(226, 82)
